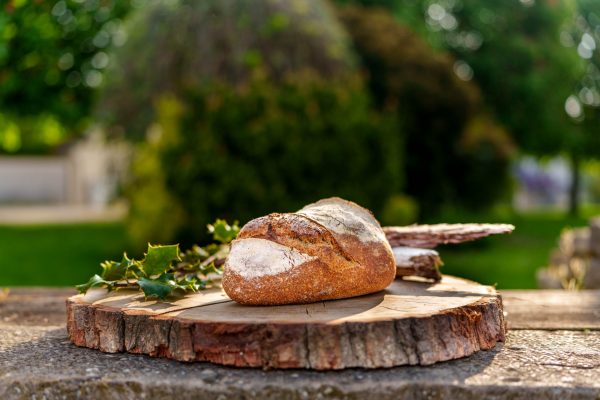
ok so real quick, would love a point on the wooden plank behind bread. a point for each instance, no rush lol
(430, 236)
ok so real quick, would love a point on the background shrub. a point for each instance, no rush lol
(181, 44)
(399, 210)
(259, 148)
(52, 59)
(450, 155)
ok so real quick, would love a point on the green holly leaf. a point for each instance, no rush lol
(95, 281)
(189, 282)
(223, 232)
(211, 248)
(209, 269)
(135, 270)
(158, 259)
(199, 252)
(164, 269)
(114, 271)
(159, 287)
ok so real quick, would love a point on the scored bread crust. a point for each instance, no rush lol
(320, 261)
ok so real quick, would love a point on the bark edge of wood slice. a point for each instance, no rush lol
(411, 323)
(431, 236)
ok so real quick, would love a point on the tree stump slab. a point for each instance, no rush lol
(412, 322)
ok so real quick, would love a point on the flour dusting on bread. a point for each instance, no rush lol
(253, 258)
(345, 218)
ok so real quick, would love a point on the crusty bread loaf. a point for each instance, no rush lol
(330, 249)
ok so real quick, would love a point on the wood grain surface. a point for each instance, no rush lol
(552, 309)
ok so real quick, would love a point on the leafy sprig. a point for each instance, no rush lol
(165, 269)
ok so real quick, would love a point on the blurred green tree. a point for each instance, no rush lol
(176, 45)
(247, 107)
(511, 49)
(515, 52)
(583, 106)
(452, 146)
(52, 57)
(219, 151)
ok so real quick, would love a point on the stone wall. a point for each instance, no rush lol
(575, 263)
(39, 179)
(89, 173)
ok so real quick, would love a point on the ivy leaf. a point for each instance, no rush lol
(223, 232)
(164, 269)
(95, 281)
(209, 269)
(135, 270)
(199, 251)
(158, 259)
(159, 287)
(212, 248)
(189, 282)
(114, 271)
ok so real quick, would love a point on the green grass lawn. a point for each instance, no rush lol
(65, 255)
(57, 255)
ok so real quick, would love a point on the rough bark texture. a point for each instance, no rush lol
(425, 263)
(369, 341)
(430, 236)
(423, 267)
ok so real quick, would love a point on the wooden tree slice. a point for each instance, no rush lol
(431, 236)
(412, 261)
(412, 322)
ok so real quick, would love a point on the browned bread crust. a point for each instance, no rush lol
(331, 249)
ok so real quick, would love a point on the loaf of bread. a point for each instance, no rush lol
(330, 249)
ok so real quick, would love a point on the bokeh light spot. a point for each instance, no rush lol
(436, 12)
(100, 60)
(66, 61)
(573, 107)
(463, 70)
(93, 78)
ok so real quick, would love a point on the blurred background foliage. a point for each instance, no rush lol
(189, 44)
(527, 57)
(511, 50)
(235, 108)
(452, 145)
(52, 57)
(247, 151)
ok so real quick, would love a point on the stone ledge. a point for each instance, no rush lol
(552, 309)
(37, 362)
